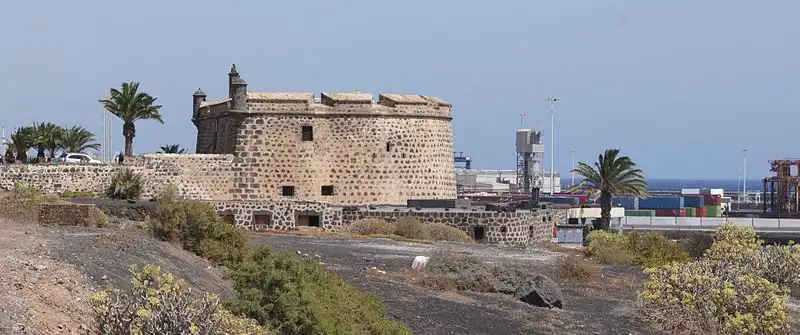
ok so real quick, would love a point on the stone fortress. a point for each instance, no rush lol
(283, 160)
(341, 148)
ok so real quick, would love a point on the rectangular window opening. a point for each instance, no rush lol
(308, 220)
(287, 191)
(327, 190)
(479, 233)
(262, 222)
(229, 219)
(308, 133)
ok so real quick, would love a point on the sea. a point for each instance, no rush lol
(678, 184)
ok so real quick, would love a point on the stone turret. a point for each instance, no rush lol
(237, 90)
(197, 98)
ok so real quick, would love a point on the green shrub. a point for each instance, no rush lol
(21, 192)
(197, 227)
(654, 250)
(297, 296)
(125, 184)
(443, 232)
(227, 245)
(412, 228)
(578, 269)
(646, 250)
(370, 227)
(690, 297)
(162, 304)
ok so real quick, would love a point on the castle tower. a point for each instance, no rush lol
(237, 90)
(197, 98)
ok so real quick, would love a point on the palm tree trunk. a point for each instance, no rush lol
(128, 131)
(605, 211)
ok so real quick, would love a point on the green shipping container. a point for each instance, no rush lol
(641, 213)
(691, 212)
(714, 211)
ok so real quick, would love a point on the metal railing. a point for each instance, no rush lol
(709, 222)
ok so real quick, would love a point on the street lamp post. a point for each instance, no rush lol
(522, 119)
(572, 172)
(552, 101)
(744, 180)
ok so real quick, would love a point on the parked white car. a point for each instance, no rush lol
(80, 158)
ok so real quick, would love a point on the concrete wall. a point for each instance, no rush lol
(196, 176)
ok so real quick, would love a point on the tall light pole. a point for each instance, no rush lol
(522, 119)
(572, 171)
(552, 101)
(744, 180)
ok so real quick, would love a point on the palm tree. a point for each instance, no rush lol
(130, 106)
(23, 140)
(78, 139)
(611, 176)
(172, 149)
(48, 138)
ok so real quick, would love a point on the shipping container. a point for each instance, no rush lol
(582, 198)
(661, 203)
(690, 191)
(671, 212)
(713, 211)
(701, 212)
(694, 201)
(712, 199)
(691, 212)
(627, 203)
(641, 213)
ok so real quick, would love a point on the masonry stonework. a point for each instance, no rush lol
(342, 148)
(517, 228)
(196, 176)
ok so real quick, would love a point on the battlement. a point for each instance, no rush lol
(333, 104)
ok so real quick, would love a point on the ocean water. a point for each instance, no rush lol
(678, 184)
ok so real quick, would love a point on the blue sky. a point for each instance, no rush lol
(680, 86)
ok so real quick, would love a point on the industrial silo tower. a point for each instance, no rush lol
(530, 156)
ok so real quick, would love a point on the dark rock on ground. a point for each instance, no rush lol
(541, 291)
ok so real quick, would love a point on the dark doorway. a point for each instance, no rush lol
(229, 219)
(262, 221)
(479, 233)
(308, 220)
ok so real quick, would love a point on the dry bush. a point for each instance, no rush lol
(370, 227)
(738, 288)
(646, 250)
(578, 269)
(470, 274)
(98, 218)
(438, 282)
(443, 232)
(162, 304)
(684, 297)
(412, 228)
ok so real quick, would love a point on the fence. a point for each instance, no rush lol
(703, 222)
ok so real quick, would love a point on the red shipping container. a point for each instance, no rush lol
(712, 199)
(671, 212)
(701, 212)
(582, 198)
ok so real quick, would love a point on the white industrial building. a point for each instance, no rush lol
(498, 181)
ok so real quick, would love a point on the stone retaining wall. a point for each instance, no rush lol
(518, 228)
(66, 215)
(196, 176)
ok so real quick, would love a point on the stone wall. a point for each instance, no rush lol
(365, 160)
(66, 215)
(196, 176)
(518, 228)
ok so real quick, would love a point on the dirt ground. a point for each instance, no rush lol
(604, 307)
(46, 274)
